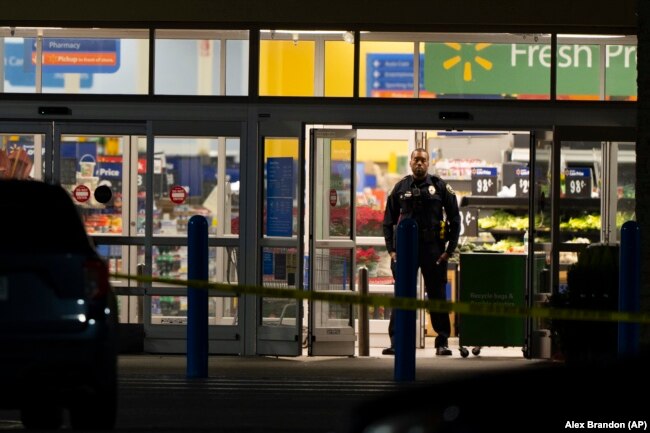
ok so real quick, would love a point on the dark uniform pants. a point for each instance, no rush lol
(435, 284)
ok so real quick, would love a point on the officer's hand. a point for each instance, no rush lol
(393, 256)
(444, 257)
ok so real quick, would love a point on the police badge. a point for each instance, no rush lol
(432, 190)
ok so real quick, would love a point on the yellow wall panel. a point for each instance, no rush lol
(380, 150)
(287, 68)
(339, 68)
(280, 147)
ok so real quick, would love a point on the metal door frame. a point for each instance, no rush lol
(277, 340)
(331, 341)
(555, 137)
(172, 338)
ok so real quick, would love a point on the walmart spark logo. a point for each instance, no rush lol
(467, 64)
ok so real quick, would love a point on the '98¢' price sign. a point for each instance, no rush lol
(484, 181)
(577, 182)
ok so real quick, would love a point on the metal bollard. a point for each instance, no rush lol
(406, 287)
(629, 287)
(364, 331)
(197, 298)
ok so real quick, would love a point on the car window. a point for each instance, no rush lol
(36, 217)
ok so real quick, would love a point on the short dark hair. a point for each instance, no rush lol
(419, 149)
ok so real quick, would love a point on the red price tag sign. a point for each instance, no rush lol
(81, 193)
(177, 194)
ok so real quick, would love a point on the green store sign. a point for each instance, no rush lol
(523, 70)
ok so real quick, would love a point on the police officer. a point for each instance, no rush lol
(432, 203)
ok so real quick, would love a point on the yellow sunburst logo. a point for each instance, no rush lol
(467, 65)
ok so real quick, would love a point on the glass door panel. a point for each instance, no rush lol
(594, 176)
(98, 166)
(597, 195)
(280, 324)
(91, 161)
(195, 170)
(21, 156)
(332, 260)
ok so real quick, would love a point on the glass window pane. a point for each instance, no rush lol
(92, 161)
(339, 68)
(129, 307)
(596, 67)
(306, 63)
(237, 67)
(117, 258)
(190, 62)
(620, 73)
(18, 156)
(580, 219)
(279, 270)
(488, 70)
(340, 181)
(332, 269)
(172, 310)
(578, 71)
(78, 61)
(281, 180)
(385, 69)
(171, 261)
(232, 187)
(186, 171)
(287, 67)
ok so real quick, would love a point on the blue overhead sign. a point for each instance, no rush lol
(391, 74)
(18, 74)
(75, 55)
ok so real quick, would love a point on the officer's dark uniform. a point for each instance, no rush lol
(425, 201)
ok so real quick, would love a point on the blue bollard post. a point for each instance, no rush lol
(197, 298)
(406, 287)
(629, 287)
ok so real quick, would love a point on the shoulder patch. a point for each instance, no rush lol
(450, 190)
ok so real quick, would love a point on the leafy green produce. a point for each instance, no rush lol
(582, 223)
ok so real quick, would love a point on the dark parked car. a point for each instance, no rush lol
(58, 322)
(542, 397)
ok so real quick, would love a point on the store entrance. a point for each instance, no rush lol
(490, 174)
(121, 177)
(194, 169)
(103, 167)
(332, 236)
(584, 190)
(83, 158)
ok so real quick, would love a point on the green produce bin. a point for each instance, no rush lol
(493, 278)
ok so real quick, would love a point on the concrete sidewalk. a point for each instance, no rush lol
(374, 367)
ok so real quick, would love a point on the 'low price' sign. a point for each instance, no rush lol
(577, 182)
(484, 181)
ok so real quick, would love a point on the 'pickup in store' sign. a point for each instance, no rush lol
(75, 55)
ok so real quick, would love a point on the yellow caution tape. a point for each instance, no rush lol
(478, 309)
